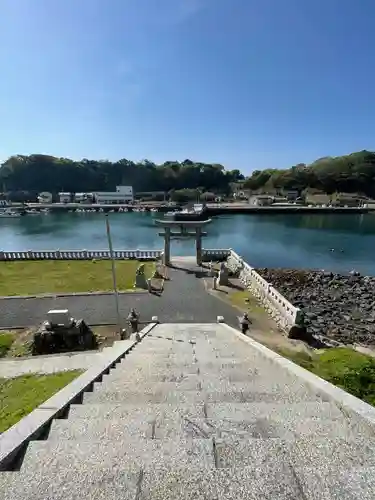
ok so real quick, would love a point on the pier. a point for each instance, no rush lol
(211, 209)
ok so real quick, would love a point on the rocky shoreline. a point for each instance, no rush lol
(340, 307)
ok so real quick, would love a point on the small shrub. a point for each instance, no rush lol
(6, 341)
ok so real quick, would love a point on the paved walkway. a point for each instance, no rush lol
(184, 300)
(194, 413)
(48, 364)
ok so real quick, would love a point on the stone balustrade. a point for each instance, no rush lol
(280, 309)
(215, 255)
(80, 255)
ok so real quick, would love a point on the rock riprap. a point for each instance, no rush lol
(341, 307)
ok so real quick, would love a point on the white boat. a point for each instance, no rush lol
(33, 212)
(9, 214)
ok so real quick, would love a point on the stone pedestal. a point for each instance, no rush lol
(141, 281)
(223, 278)
(54, 338)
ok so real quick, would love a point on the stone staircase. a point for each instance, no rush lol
(194, 413)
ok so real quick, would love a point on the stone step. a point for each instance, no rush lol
(289, 390)
(326, 483)
(166, 392)
(195, 426)
(247, 411)
(132, 411)
(219, 411)
(51, 455)
(234, 452)
(169, 373)
(154, 371)
(134, 397)
(256, 383)
(231, 372)
(149, 384)
(273, 481)
(309, 451)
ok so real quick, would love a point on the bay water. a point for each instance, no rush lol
(340, 242)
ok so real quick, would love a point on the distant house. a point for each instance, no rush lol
(45, 197)
(291, 194)
(239, 192)
(318, 199)
(347, 199)
(261, 200)
(123, 194)
(65, 197)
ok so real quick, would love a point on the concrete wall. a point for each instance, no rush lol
(215, 254)
(281, 310)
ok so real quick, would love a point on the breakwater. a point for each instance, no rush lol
(211, 209)
(340, 307)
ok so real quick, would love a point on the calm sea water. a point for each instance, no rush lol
(297, 241)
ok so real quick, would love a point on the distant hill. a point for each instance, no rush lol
(38, 172)
(354, 173)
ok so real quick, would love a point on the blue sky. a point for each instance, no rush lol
(246, 83)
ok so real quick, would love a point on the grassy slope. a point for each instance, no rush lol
(33, 277)
(239, 297)
(352, 371)
(20, 395)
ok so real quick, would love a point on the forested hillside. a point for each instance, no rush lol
(37, 173)
(354, 173)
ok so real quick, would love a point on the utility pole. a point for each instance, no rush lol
(113, 274)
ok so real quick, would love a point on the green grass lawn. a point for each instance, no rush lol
(352, 371)
(50, 276)
(21, 395)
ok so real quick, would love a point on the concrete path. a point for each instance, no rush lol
(48, 364)
(184, 300)
(194, 413)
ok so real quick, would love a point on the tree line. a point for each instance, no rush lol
(353, 173)
(36, 173)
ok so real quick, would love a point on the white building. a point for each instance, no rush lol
(123, 194)
(64, 197)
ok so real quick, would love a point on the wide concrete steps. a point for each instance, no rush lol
(193, 413)
(271, 481)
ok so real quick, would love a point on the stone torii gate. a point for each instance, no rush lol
(185, 229)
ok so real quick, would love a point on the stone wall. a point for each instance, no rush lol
(281, 310)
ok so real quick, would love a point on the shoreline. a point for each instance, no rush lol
(211, 209)
(338, 306)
